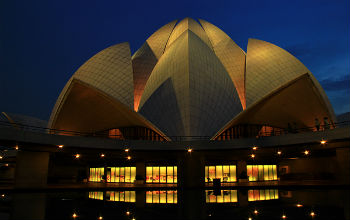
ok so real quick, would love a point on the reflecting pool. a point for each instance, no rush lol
(152, 203)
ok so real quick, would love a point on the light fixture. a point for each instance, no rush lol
(323, 141)
(126, 150)
(3, 195)
(189, 150)
(129, 158)
(312, 214)
(16, 147)
(252, 156)
(102, 155)
(1, 157)
(127, 213)
(250, 218)
(306, 152)
(74, 215)
(299, 205)
(279, 152)
(100, 218)
(77, 156)
(133, 219)
(255, 148)
(284, 216)
(60, 146)
(256, 212)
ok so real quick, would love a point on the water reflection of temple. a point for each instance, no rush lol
(171, 196)
(221, 196)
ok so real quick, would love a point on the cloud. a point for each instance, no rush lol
(337, 84)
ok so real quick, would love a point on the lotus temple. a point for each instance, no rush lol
(189, 108)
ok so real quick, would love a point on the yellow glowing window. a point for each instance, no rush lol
(226, 173)
(262, 172)
(163, 176)
(175, 176)
(170, 174)
(132, 196)
(127, 196)
(133, 174)
(170, 197)
(155, 197)
(259, 195)
(127, 174)
(233, 177)
(224, 196)
(155, 174)
(163, 196)
(96, 174)
(96, 195)
(121, 196)
(149, 174)
(121, 174)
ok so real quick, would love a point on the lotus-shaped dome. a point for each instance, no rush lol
(189, 79)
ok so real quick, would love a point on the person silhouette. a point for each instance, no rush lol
(317, 124)
(325, 123)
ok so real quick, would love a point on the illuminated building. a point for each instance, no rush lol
(188, 81)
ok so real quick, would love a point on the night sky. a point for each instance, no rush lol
(42, 43)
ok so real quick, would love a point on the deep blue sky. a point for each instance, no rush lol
(42, 43)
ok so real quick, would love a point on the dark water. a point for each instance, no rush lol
(178, 204)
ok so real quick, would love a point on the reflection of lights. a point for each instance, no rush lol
(60, 146)
(250, 218)
(312, 214)
(129, 158)
(284, 216)
(133, 219)
(100, 218)
(209, 215)
(6, 165)
(252, 155)
(126, 150)
(256, 212)
(299, 205)
(255, 148)
(323, 141)
(102, 155)
(77, 156)
(74, 215)
(3, 195)
(127, 213)
(279, 152)
(189, 150)
(306, 152)
(16, 147)
(1, 157)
